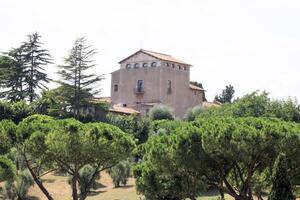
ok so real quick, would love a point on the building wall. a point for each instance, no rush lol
(180, 98)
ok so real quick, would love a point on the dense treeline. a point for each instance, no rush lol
(231, 148)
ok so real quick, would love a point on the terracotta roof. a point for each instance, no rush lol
(194, 87)
(160, 56)
(102, 99)
(124, 110)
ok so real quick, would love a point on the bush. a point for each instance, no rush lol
(85, 176)
(161, 112)
(192, 113)
(7, 169)
(120, 173)
(18, 189)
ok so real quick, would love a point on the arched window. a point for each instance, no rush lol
(136, 65)
(145, 65)
(128, 66)
(154, 64)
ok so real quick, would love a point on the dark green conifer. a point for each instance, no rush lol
(281, 186)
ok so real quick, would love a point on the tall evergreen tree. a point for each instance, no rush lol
(226, 96)
(281, 188)
(77, 83)
(36, 59)
(12, 75)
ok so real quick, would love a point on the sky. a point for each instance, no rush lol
(252, 45)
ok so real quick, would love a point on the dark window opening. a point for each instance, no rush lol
(140, 86)
(153, 64)
(145, 64)
(128, 66)
(116, 88)
(136, 65)
(169, 86)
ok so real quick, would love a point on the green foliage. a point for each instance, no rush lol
(12, 75)
(19, 188)
(159, 112)
(166, 126)
(165, 171)
(7, 169)
(71, 145)
(238, 152)
(87, 179)
(226, 95)
(133, 124)
(7, 136)
(120, 173)
(192, 113)
(22, 72)
(15, 111)
(258, 105)
(36, 58)
(78, 86)
(52, 103)
(281, 187)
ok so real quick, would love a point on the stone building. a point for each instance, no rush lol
(148, 78)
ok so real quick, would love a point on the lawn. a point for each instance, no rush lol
(58, 187)
(60, 190)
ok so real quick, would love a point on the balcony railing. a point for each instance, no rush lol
(139, 90)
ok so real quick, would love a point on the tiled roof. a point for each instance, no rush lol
(194, 87)
(207, 104)
(160, 56)
(102, 99)
(124, 110)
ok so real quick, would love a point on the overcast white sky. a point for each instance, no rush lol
(251, 44)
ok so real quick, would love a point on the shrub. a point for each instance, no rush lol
(161, 112)
(120, 173)
(192, 113)
(85, 176)
(18, 188)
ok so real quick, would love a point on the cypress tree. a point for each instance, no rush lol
(281, 186)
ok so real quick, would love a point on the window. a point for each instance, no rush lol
(184, 68)
(128, 66)
(153, 64)
(179, 67)
(136, 65)
(167, 64)
(116, 88)
(169, 86)
(145, 65)
(173, 66)
(140, 86)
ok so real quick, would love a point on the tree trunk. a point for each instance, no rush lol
(37, 180)
(74, 186)
(220, 186)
